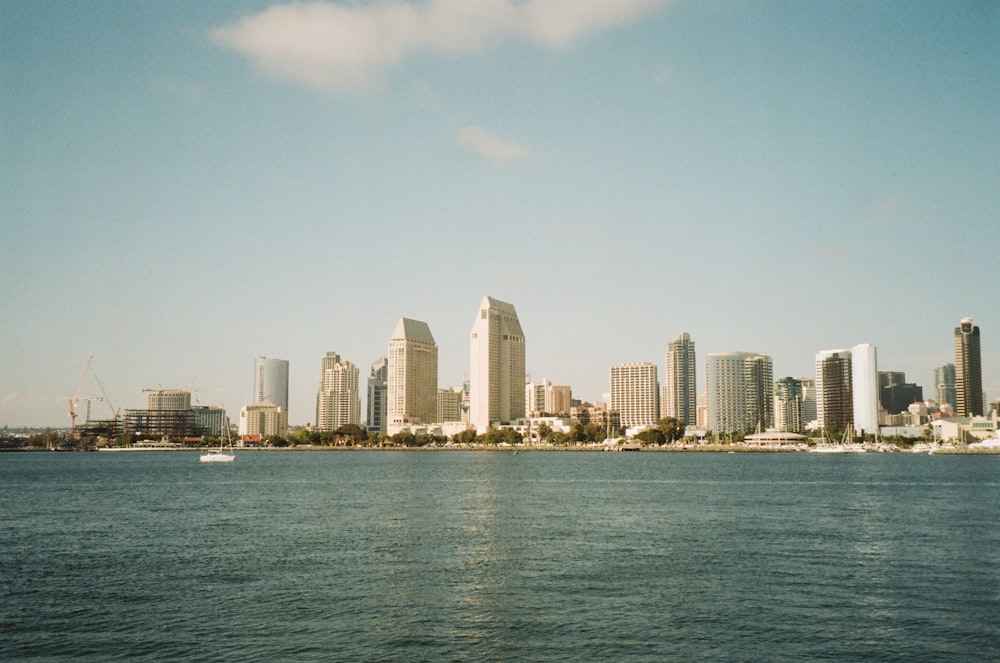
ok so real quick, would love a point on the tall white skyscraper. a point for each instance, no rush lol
(338, 402)
(378, 384)
(270, 381)
(864, 377)
(680, 384)
(496, 376)
(413, 374)
(740, 392)
(635, 394)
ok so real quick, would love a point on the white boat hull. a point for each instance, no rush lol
(215, 457)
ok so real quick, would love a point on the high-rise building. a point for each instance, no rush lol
(270, 381)
(864, 373)
(496, 376)
(413, 375)
(896, 394)
(944, 385)
(263, 419)
(680, 385)
(534, 397)
(834, 390)
(449, 404)
(847, 389)
(740, 392)
(338, 402)
(635, 394)
(378, 381)
(788, 405)
(968, 370)
(808, 400)
(558, 399)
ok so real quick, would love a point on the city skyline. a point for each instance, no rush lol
(759, 175)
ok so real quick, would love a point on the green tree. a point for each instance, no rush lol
(354, 432)
(652, 436)
(543, 431)
(404, 439)
(672, 429)
(559, 439)
(468, 436)
(593, 433)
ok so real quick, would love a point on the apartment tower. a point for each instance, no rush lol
(680, 390)
(413, 374)
(740, 392)
(338, 401)
(377, 386)
(270, 381)
(635, 394)
(968, 370)
(496, 376)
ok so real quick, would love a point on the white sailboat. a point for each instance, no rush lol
(220, 455)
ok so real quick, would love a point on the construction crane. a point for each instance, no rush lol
(76, 399)
(107, 399)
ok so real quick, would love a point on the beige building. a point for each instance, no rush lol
(635, 394)
(413, 375)
(338, 400)
(264, 419)
(496, 375)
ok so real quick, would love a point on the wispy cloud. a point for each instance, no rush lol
(491, 147)
(333, 46)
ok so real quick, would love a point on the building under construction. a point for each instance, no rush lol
(169, 413)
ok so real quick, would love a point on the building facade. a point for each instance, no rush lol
(740, 392)
(864, 373)
(338, 401)
(834, 390)
(449, 404)
(496, 375)
(968, 370)
(270, 381)
(680, 384)
(263, 419)
(411, 387)
(635, 394)
(378, 384)
(789, 411)
(944, 385)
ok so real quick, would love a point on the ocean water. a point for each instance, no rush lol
(495, 556)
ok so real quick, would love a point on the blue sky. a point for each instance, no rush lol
(185, 186)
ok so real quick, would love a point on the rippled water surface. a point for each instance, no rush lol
(438, 556)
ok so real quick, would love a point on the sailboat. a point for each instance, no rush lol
(220, 455)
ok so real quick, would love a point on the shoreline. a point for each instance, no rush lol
(707, 448)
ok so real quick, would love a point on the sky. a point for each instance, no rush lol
(187, 186)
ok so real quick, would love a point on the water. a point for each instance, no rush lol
(492, 556)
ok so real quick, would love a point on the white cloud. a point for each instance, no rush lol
(330, 46)
(491, 147)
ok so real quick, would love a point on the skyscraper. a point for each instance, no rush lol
(847, 389)
(968, 370)
(496, 376)
(270, 381)
(864, 374)
(680, 390)
(740, 392)
(377, 385)
(944, 385)
(834, 390)
(413, 374)
(338, 402)
(635, 394)
(788, 405)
